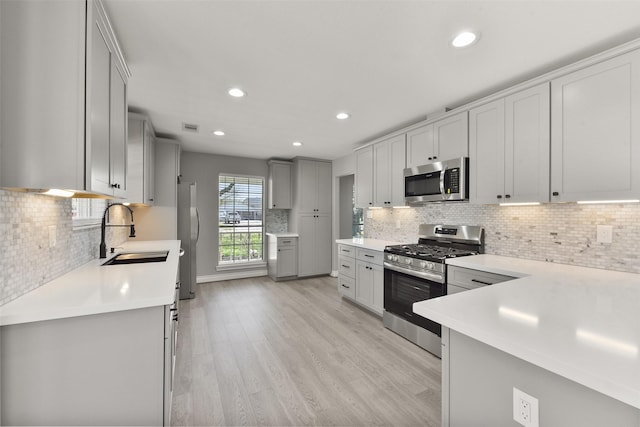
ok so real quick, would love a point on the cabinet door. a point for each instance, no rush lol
(397, 163)
(118, 137)
(527, 145)
(149, 165)
(451, 137)
(99, 94)
(364, 283)
(377, 291)
(324, 191)
(307, 186)
(420, 146)
(364, 177)
(287, 261)
(279, 186)
(595, 132)
(307, 245)
(486, 143)
(323, 244)
(381, 174)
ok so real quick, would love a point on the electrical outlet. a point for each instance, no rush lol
(52, 236)
(525, 409)
(604, 234)
(369, 214)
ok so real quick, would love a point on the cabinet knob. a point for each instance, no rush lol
(499, 196)
(274, 205)
(435, 157)
(508, 196)
(430, 158)
(555, 193)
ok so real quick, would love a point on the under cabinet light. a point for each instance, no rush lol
(401, 207)
(594, 202)
(521, 204)
(374, 207)
(58, 193)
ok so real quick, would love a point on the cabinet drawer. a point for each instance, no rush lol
(347, 286)
(347, 266)
(368, 255)
(346, 250)
(284, 242)
(471, 279)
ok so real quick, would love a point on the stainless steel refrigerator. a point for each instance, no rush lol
(188, 233)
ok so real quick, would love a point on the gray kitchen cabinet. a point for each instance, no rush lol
(370, 279)
(595, 132)
(141, 160)
(364, 177)
(460, 279)
(314, 244)
(311, 216)
(283, 256)
(105, 369)
(66, 131)
(388, 172)
(347, 271)
(509, 148)
(441, 140)
(279, 185)
(166, 172)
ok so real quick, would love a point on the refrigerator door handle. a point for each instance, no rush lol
(198, 219)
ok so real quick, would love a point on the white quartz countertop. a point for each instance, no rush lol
(373, 244)
(285, 235)
(580, 323)
(94, 288)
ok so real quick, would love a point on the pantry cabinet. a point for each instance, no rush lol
(64, 97)
(595, 132)
(141, 160)
(441, 140)
(279, 184)
(509, 148)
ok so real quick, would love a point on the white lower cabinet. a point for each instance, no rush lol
(314, 244)
(283, 257)
(361, 276)
(103, 369)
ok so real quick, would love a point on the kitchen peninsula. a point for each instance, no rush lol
(94, 346)
(567, 336)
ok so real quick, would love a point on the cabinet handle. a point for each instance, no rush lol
(508, 196)
(346, 250)
(369, 256)
(345, 286)
(286, 241)
(481, 282)
(345, 266)
(555, 193)
(499, 196)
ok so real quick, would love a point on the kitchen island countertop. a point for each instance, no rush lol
(577, 322)
(93, 288)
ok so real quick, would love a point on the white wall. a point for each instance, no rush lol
(204, 170)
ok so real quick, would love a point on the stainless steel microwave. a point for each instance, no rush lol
(437, 182)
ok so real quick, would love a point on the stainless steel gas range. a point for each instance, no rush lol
(417, 272)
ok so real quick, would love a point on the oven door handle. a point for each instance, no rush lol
(422, 274)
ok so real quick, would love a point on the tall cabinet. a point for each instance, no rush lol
(64, 98)
(311, 215)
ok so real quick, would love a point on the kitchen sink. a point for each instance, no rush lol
(138, 257)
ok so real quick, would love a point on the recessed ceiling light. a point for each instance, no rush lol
(343, 116)
(218, 133)
(297, 144)
(464, 39)
(236, 92)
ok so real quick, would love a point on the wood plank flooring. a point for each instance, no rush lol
(258, 352)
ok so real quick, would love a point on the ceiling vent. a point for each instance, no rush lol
(189, 127)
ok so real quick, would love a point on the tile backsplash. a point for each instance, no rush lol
(26, 260)
(561, 233)
(276, 221)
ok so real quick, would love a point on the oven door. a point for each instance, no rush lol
(401, 290)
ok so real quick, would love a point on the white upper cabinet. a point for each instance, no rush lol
(59, 123)
(313, 186)
(364, 177)
(444, 139)
(388, 172)
(595, 132)
(279, 184)
(141, 160)
(509, 148)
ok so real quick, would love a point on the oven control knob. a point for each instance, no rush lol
(396, 258)
(423, 264)
(408, 261)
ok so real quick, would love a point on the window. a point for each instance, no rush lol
(240, 228)
(87, 212)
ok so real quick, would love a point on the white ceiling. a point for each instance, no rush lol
(388, 63)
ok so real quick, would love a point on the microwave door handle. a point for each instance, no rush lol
(442, 173)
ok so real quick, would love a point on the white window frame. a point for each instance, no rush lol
(87, 213)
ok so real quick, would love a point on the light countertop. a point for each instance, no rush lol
(580, 323)
(373, 244)
(285, 235)
(94, 288)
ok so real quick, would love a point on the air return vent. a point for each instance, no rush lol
(190, 127)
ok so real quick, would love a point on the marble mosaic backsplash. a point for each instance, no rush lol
(561, 233)
(26, 260)
(276, 221)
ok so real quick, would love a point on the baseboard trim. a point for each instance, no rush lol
(334, 273)
(232, 275)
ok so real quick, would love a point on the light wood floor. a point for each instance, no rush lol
(258, 352)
